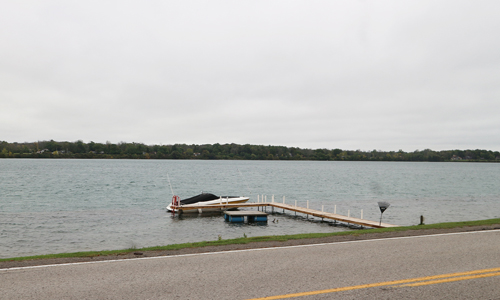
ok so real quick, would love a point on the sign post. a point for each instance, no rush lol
(383, 206)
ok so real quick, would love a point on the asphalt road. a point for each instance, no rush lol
(452, 266)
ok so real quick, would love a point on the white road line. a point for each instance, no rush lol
(245, 250)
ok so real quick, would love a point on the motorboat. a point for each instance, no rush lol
(191, 205)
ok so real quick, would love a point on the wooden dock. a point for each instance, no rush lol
(307, 211)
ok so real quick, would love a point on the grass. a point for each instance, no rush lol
(246, 240)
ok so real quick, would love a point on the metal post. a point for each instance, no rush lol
(383, 206)
(335, 209)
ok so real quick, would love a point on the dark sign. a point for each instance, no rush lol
(383, 206)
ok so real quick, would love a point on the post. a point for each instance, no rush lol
(322, 208)
(272, 199)
(348, 213)
(295, 203)
(361, 214)
(335, 209)
(307, 204)
(383, 206)
(266, 199)
(283, 199)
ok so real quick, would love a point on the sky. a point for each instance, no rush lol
(383, 75)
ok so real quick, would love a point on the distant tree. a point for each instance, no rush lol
(78, 147)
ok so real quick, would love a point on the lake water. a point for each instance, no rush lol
(53, 206)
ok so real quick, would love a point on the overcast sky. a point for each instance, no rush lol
(383, 75)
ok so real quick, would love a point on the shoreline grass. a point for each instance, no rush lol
(246, 240)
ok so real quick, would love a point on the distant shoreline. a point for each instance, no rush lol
(123, 150)
(142, 158)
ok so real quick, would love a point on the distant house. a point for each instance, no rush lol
(455, 157)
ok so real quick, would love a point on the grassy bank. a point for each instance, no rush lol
(246, 240)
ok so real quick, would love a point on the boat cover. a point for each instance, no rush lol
(200, 198)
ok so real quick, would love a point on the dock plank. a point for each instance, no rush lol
(298, 209)
(245, 213)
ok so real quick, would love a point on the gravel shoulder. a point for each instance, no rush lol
(253, 245)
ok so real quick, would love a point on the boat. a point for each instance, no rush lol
(190, 205)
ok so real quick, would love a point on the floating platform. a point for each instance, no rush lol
(307, 211)
(239, 216)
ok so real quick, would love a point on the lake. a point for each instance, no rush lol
(53, 206)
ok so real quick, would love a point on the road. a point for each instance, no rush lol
(449, 266)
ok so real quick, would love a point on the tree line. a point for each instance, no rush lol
(79, 149)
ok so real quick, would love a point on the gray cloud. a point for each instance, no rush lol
(383, 75)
